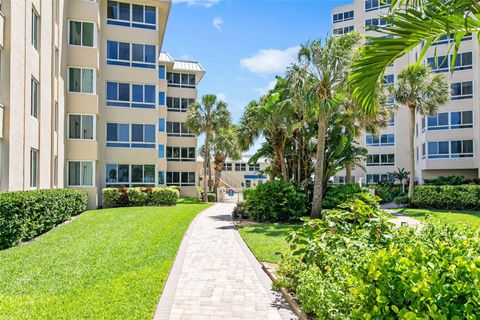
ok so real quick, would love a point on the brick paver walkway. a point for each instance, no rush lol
(215, 276)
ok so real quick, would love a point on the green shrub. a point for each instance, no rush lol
(386, 191)
(239, 210)
(138, 197)
(114, 197)
(352, 264)
(339, 193)
(275, 201)
(246, 192)
(27, 214)
(164, 196)
(447, 181)
(447, 197)
(401, 200)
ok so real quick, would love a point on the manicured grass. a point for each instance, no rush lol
(106, 264)
(266, 239)
(456, 217)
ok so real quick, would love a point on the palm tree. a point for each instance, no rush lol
(224, 146)
(422, 92)
(207, 117)
(327, 66)
(410, 24)
(401, 175)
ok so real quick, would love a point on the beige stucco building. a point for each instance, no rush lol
(89, 100)
(446, 143)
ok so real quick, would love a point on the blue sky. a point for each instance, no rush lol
(243, 44)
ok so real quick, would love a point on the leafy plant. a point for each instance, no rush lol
(276, 201)
(164, 196)
(450, 180)
(447, 197)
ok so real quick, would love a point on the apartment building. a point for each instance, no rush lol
(446, 143)
(90, 101)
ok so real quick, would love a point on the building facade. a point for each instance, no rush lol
(89, 100)
(446, 143)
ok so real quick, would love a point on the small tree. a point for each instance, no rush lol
(422, 92)
(401, 175)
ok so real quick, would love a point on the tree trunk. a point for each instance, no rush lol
(209, 174)
(348, 173)
(318, 184)
(218, 175)
(206, 160)
(411, 185)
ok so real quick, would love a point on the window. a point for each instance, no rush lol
(81, 33)
(391, 120)
(181, 80)
(438, 149)
(344, 16)
(382, 140)
(161, 151)
(463, 61)
(80, 173)
(462, 90)
(161, 178)
(120, 135)
(445, 39)
(344, 30)
(446, 121)
(161, 73)
(180, 178)
(179, 104)
(81, 80)
(127, 175)
(180, 153)
(178, 129)
(81, 126)
(33, 168)
(35, 29)
(380, 159)
(450, 149)
(34, 98)
(371, 5)
(461, 149)
(130, 95)
(376, 22)
(240, 167)
(161, 124)
(227, 166)
(131, 54)
(389, 79)
(376, 178)
(131, 15)
(255, 167)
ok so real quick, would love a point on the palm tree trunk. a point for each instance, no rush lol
(209, 174)
(348, 173)
(318, 184)
(411, 108)
(206, 160)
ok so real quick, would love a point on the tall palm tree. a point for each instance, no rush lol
(422, 92)
(327, 66)
(410, 24)
(224, 146)
(205, 118)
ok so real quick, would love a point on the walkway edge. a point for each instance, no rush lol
(164, 306)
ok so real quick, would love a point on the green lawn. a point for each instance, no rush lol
(106, 264)
(265, 239)
(457, 217)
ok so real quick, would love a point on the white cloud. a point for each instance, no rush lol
(200, 3)
(269, 61)
(264, 90)
(217, 23)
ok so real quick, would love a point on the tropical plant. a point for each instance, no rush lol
(401, 175)
(410, 24)
(422, 92)
(327, 66)
(224, 146)
(207, 117)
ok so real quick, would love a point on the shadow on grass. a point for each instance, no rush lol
(272, 230)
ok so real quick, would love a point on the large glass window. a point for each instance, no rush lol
(461, 148)
(131, 54)
(343, 16)
(371, 5)
(81, 80)
(180, 178)
(240, 166)
(462, 90)
(178, 129)
(81, 33)
(382, 140)
(461, 119)
(181, 80)
(81, 126)
(463, 61)
(126, 175)
(178, 104)
(131, 15)
(180, 153)
(80, 173)
(380, 159)
(122, 135)
(449, 120)
(130, 95)
(376, 178)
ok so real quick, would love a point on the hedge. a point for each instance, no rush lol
(122, 197)
(27, 214)
(447, 197)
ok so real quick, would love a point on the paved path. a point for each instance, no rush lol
(215, 276)
(401, 219)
